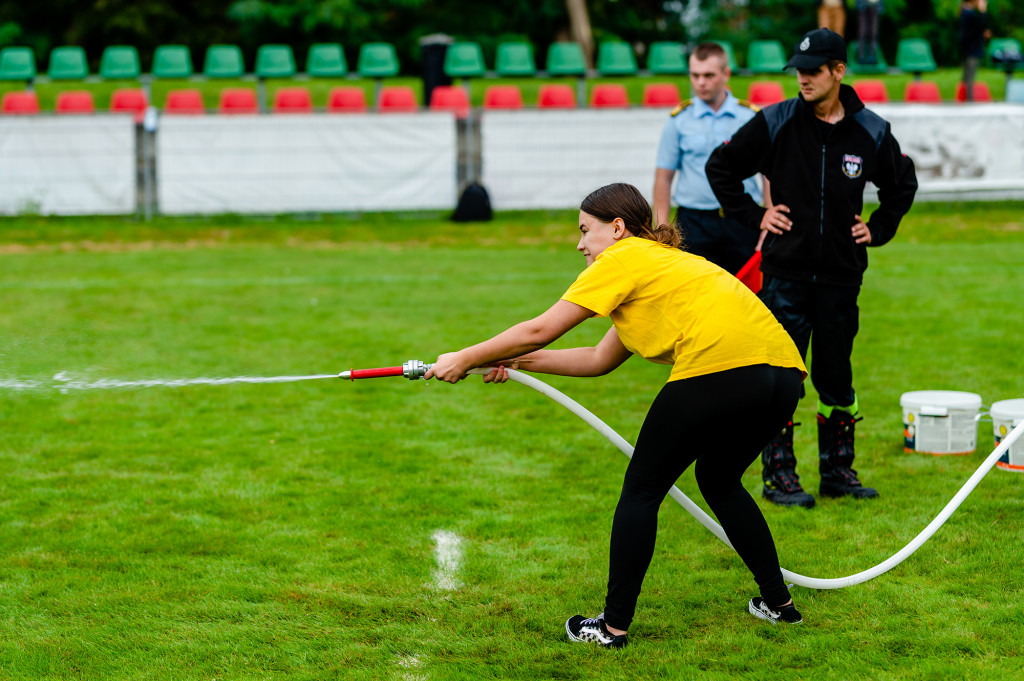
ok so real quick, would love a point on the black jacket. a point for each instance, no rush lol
(821, 181)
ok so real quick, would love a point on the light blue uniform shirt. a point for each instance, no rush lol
(687, 141)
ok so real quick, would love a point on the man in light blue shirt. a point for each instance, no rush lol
(695, 128)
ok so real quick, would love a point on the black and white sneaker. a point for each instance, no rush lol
(592, 630)
(788, 614)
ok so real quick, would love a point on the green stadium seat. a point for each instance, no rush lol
(17, 63)
(223, 61)
(275, 61)
(120, 62)
(326, 60)
(615, 58)
(1005, 52)
(67, 63)
(172, 61)
(914, 55)
(730, 54)
(566, 59)
(377, 60)
(666, 58)
(766, 56)
(854, 66)
(464, 60)
(515, 59)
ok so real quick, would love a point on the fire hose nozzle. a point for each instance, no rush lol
(414, 369)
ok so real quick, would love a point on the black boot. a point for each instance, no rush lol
(781, 483)
(835, 457)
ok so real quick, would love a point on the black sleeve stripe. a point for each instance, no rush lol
(776, 115)
(874, 124)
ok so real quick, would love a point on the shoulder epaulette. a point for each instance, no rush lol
(750, 105)
(682, 105)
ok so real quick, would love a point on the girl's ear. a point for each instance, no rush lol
(618, 228)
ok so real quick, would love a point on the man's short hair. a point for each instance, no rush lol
(708, 50)
(832, 64)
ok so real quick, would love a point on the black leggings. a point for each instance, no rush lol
(721, 421)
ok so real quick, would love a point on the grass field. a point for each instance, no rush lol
(396, 529)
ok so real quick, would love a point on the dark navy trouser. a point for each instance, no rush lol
(721, 240)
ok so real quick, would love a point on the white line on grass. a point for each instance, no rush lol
(449, 555)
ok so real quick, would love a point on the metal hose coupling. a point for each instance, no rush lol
(415, 368)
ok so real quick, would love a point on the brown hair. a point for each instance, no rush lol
(707, 50)
(625, 201)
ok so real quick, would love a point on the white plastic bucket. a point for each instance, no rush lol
(1005, 415)
(940, 421)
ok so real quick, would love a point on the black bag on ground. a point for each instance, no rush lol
(474, 205)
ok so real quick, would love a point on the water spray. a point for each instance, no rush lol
(415, 369)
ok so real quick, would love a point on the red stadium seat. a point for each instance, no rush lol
(922, 91)
(450, 98)
(74, 102)
(238, 101)
(556, 97)
(189, 102)
(19, 102)
(765, 93)
(397, 99)
(981, 92)
(130, 100)
(503, 97)
(292, 100)
(661, 94)
(346, 99)
(871, 91)
(609, 96)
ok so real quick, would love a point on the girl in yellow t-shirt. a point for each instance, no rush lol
(732, 362)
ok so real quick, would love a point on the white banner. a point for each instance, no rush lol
(67, 165)
(316, 162)
(553, 159)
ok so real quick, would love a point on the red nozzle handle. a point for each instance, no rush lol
(375, 373)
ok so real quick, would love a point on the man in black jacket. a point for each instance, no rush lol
(818, 151)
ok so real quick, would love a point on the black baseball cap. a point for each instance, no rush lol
(816, 48)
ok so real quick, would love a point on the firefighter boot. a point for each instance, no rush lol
(835, 457)
(781, 483)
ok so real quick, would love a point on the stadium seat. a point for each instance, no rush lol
(74, 102)
(766, 56)
(223, 61)
(615, 58)
(503, 97)
(730, 54)
(17, 63)
(275, 61)
(854, 66)
(661, 94)
(515, 59)
(397, 99)
(346, 99)
(1015, 91)
(922, 91)
(914, 55)
(765, 92)
(377, 60)
(67, 63)
(129, 100)
(1005, 53)
(120, 62)
(871, 91)
(556, 97)
(982, 93)
(184, 102)
(326, 60)
(464, 60)
(666, 58)
(238, 101)
(565, 59)
(609, 96)
(292, 100)
(450, 98)
(19, 102)
(172, 61)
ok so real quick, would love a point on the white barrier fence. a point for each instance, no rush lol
(327, 163)
(75, 165)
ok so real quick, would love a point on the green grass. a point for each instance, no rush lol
(286, 530)
(320, 88)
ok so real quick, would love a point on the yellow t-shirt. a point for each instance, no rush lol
(677, 308)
